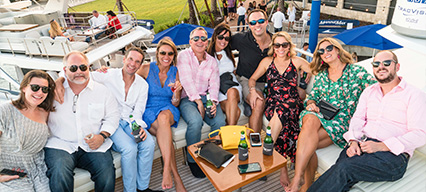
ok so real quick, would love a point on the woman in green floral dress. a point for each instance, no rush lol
(340, 83)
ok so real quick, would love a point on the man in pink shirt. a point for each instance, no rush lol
(384, 131)
(199, 75)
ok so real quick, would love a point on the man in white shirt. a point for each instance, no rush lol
(97, 22)
(80, 129)
(241, 11)
(278, 18)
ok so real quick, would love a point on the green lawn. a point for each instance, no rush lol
(163, 12)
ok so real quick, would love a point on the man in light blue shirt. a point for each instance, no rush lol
(305, 48)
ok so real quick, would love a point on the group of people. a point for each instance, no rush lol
(91, 112)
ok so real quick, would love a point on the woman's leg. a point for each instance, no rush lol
(230, 106)
(162, 130)
(307, 143)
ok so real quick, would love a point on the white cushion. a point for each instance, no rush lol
(33, 34)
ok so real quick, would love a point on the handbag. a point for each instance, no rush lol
(226, 82)
(230, 136)
(213, 154)
(328, 110)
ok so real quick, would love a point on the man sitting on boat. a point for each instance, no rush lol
(98, 21)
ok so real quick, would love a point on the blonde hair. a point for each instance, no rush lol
(55, 29)
(287, 38)
(167, 41)
(318, 64)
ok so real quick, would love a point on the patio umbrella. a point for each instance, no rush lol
(366, 36)
(179, 33)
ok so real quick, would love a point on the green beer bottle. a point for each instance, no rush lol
(268, 143)
(209, 105)
(242, 147)
(135, 129)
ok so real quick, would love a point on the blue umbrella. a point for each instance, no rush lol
(366, 36)
(179, 33)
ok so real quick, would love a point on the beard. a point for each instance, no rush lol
(72, 78)
(387, 79)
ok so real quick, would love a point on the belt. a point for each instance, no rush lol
(406, 155)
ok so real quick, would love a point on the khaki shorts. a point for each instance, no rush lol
(244, 84)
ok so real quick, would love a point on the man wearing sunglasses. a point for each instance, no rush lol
(199, 75)
(80, 129)
(390, 116)
(253, 47)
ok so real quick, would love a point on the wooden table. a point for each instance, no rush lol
(228, 178)
(17, 27)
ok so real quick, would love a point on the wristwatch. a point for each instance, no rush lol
(103, 135)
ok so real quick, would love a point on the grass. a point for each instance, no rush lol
(163, 12)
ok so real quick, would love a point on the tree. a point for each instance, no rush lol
(192, 19)
(214, 6)
(119, 6)
(281, 5)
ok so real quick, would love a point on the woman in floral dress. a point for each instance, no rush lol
(340, 83)
(283, 103)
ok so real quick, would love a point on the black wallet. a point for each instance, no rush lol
(214, 154)
(226, 82)
(328, 110)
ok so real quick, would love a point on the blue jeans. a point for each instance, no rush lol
(241, 19)
(89, 38)
(370, 167)
(61, 167)
(278, 29)
(192, 117)
(136, 158)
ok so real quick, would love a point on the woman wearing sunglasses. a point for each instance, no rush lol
(161, 111)
(24, 132)
(283, 102)
(230, 90)
(340, 83)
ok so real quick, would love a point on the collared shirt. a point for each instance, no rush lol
(241, 11)
(137, 94)
(278, 18)
(309, 59)
(100, 21)
(250, 54)
(396, 119)
(92, 111)
(198, 78)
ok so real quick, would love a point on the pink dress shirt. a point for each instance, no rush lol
(198, 78)
(397, 118)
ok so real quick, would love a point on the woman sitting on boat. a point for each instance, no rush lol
(113, 24)
(340, 83)
(24, 132)
(161, 111)
(56, 30)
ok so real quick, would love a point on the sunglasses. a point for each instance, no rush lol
(220, 37)
(284, 45)
(196, 38)
(328, 49)
(260, 21)
(385, 63)
(35, 88)
(168, 53)
(73, 68)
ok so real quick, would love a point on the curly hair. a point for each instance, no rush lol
(318, 64)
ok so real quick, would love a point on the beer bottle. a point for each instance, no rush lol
(135, 129)
(209, 105)
(243, 148)
(268, 143)
(265, 90)
(302, 83)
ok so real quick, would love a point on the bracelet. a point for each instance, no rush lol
(251, 88)
(103, 135)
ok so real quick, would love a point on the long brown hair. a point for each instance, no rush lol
(218, 30)
(47, 104)
(169, 42)
(55, 29)
(287, 38)
(318, 64)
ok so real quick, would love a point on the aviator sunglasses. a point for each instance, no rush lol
(385, 63)
(220, 37)
(168, 53)
(35, 88)
(328, 49)
(260, 21)
(278, 45)
(202, 38)
(73, 68)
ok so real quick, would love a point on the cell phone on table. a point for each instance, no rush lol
(255, 140)
(12, 172)
(249, 168)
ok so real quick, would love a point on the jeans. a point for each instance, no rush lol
(61, 167)
(136, 158)
(192, 117)
(241, 19)
(370, 167)
(278, 29)
(89, 38)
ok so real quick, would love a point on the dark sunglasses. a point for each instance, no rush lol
(196, 38)
(284, 45)
(168, 53)
(385, 63)
(220, 37)
(73, 68)
(260, 21)
(328, 49)
(35, 88)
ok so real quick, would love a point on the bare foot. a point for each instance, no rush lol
(295, 184)
(179, 186)
(284, 179)
(167, 180)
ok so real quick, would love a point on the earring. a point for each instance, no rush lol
(338, 56)
(288, 54)
(322, 62)
(275, 55)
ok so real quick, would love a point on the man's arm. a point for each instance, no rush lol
(185, 74)
(214, 82)
(359, 118)
(141, 105)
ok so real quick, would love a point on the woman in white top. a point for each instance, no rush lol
(291, 12)
(230, 90)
